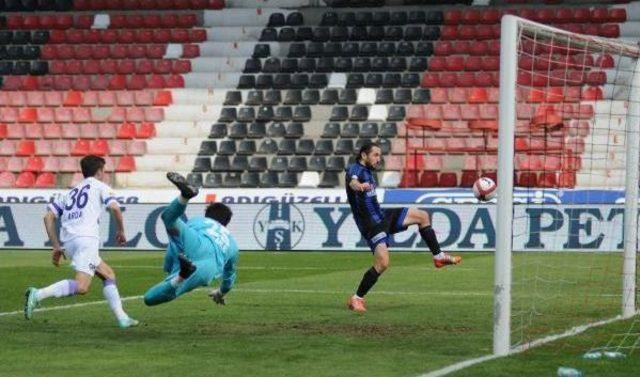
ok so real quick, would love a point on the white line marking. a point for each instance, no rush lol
(524, 347)
(61, 307)
(390, 293)
(269, 291)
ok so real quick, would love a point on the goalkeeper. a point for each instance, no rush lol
(199, 251)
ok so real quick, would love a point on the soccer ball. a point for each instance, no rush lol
(484, 189)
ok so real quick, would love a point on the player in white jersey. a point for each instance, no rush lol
(79, 215)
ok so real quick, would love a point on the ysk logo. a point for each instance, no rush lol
(278, 226)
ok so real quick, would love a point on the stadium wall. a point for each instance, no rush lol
(320, 220)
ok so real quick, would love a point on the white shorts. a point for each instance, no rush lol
(83, 254)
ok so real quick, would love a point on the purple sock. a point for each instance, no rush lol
(73, 287)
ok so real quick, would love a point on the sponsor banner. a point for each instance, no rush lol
(281, 226)
(229, 196)
(338, 195)
(524, 196)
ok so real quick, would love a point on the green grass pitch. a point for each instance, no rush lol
(287, 317)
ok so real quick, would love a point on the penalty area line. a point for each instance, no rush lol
(523, 347)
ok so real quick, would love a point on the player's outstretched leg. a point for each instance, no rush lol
(168, 289)
(186, 190)
(33, 296)
(428, 235)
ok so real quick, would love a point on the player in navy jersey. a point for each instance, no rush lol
(377, 225)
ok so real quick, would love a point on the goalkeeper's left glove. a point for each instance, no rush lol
(217, 296)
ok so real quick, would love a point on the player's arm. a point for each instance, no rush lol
(357, 186)
(228, 279)
(50, 226)
(114, 208)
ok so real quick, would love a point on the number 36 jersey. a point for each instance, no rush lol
(80, 209)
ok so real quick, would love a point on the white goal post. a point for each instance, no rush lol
(513, 29)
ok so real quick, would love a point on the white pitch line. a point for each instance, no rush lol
(61, 307)
(269, 291)
(524, 347)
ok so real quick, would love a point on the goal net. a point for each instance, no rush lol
(567, 178)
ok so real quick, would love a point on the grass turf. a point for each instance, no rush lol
(287, 317)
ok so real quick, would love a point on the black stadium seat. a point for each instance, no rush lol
(297, 164)
(202, 164)
(221, 164)
(279, 163)
(246, 147)
(258, 164)
(207, 148)
(331, 130)
(276, 130)
(257, 130)
(249, 179)
(276, 20)
(239, 163)
(268, 146)
(233, 98)
(226, 148)
(287, 179)
(324, 147)
(350, 130)
(238, 131)
(195, 179)
(317, 163)
(269, 179)
(213, 180)
(218, 131)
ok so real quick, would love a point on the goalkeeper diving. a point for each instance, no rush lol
(200, 250)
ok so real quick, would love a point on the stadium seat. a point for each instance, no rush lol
(25, 180)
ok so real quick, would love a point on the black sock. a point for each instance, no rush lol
(429, 236)
(368, 280)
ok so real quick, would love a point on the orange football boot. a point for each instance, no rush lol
(356, 304)
(446, 259)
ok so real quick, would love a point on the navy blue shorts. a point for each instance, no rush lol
(380, 232)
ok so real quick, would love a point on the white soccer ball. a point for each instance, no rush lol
(484, 189)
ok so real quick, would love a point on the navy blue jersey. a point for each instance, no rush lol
(364, 204)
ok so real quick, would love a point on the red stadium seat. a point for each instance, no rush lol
(137, 147)
(34, 164)
(427, 179)
(527, 179)
(99, 147)
(7, 179)
(15, 131)
(28, 115)
(125, 98)
(26, 148)
(68, 164)
(143, 98)
(73, 98)
(81, 83)
(51, 164)
(453, 17)
(45, 180)
(448, 180)
(126, 164)
(25, 180)
(89, 131)
(146, 130)
(117, 115)
(81, 148)
(135, 114)
(107, 130)
(52, 131)
(126, 131)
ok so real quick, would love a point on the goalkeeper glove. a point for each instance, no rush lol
(217, 297)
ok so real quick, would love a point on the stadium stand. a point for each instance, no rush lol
(280, 93)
